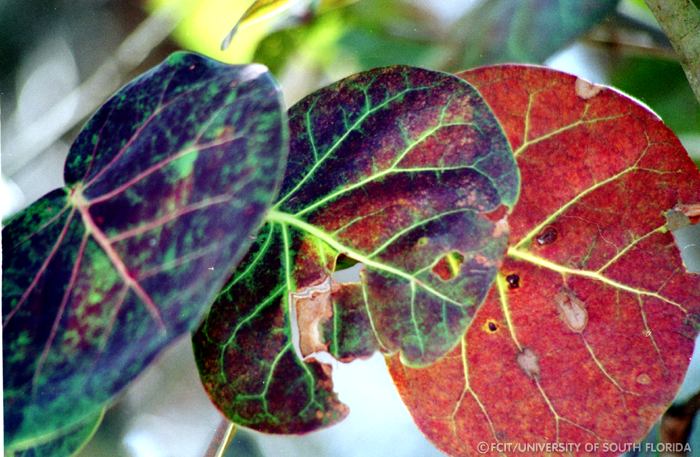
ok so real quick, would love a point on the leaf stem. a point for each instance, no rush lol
(680, 19)
(222, 438)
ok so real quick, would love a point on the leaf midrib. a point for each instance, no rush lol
(293, 221)
(83, 207)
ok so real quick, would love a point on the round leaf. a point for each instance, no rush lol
(402, 170)
(164, 186)
(588, 333)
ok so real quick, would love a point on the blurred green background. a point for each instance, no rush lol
(60, 59)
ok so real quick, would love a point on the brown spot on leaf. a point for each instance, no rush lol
(643, 379)
(529, 363)
(313, 308)
(586, 89)
(572, 310)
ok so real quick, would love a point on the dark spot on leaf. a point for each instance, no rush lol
(448, 266)
(513, 281)
(547, 236)
(490, 326)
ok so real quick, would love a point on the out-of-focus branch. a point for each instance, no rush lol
(632, 49)
(36, 137)
(680, 19)
(677, 421)
(627, 35)
(221, 439)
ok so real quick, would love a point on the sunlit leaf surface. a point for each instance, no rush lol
(588, 333)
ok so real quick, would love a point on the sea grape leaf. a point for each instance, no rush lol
(589, 331)
(64, 442)
(264, 9)
(402, 169)
(523, 31)
(165, 184)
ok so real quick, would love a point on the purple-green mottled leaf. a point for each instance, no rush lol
(403, 170)
(525, 30)
(63, 442)
(165, 185)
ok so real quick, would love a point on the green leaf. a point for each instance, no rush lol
(662, 85)
(523, 31)
(365, 35)
(64, 442)
(165, 185)
(403, 170)
(258, 10)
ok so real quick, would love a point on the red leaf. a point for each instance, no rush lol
(589, 331)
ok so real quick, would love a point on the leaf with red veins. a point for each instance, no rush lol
(588, 333)
(403, 170)
(165, 185)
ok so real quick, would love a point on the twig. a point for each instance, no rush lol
(221, 439)
(680, 19)
(36, 137)
(619, 21)
(630, 48)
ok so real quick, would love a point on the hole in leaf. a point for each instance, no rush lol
(448, 266)
(686, 234)
(347, 270)
(497, 214)
(343, 262)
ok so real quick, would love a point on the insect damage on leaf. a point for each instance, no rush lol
(165, 184)
(402, 170)
(594, 342)
(312, 308)
(586, 89)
